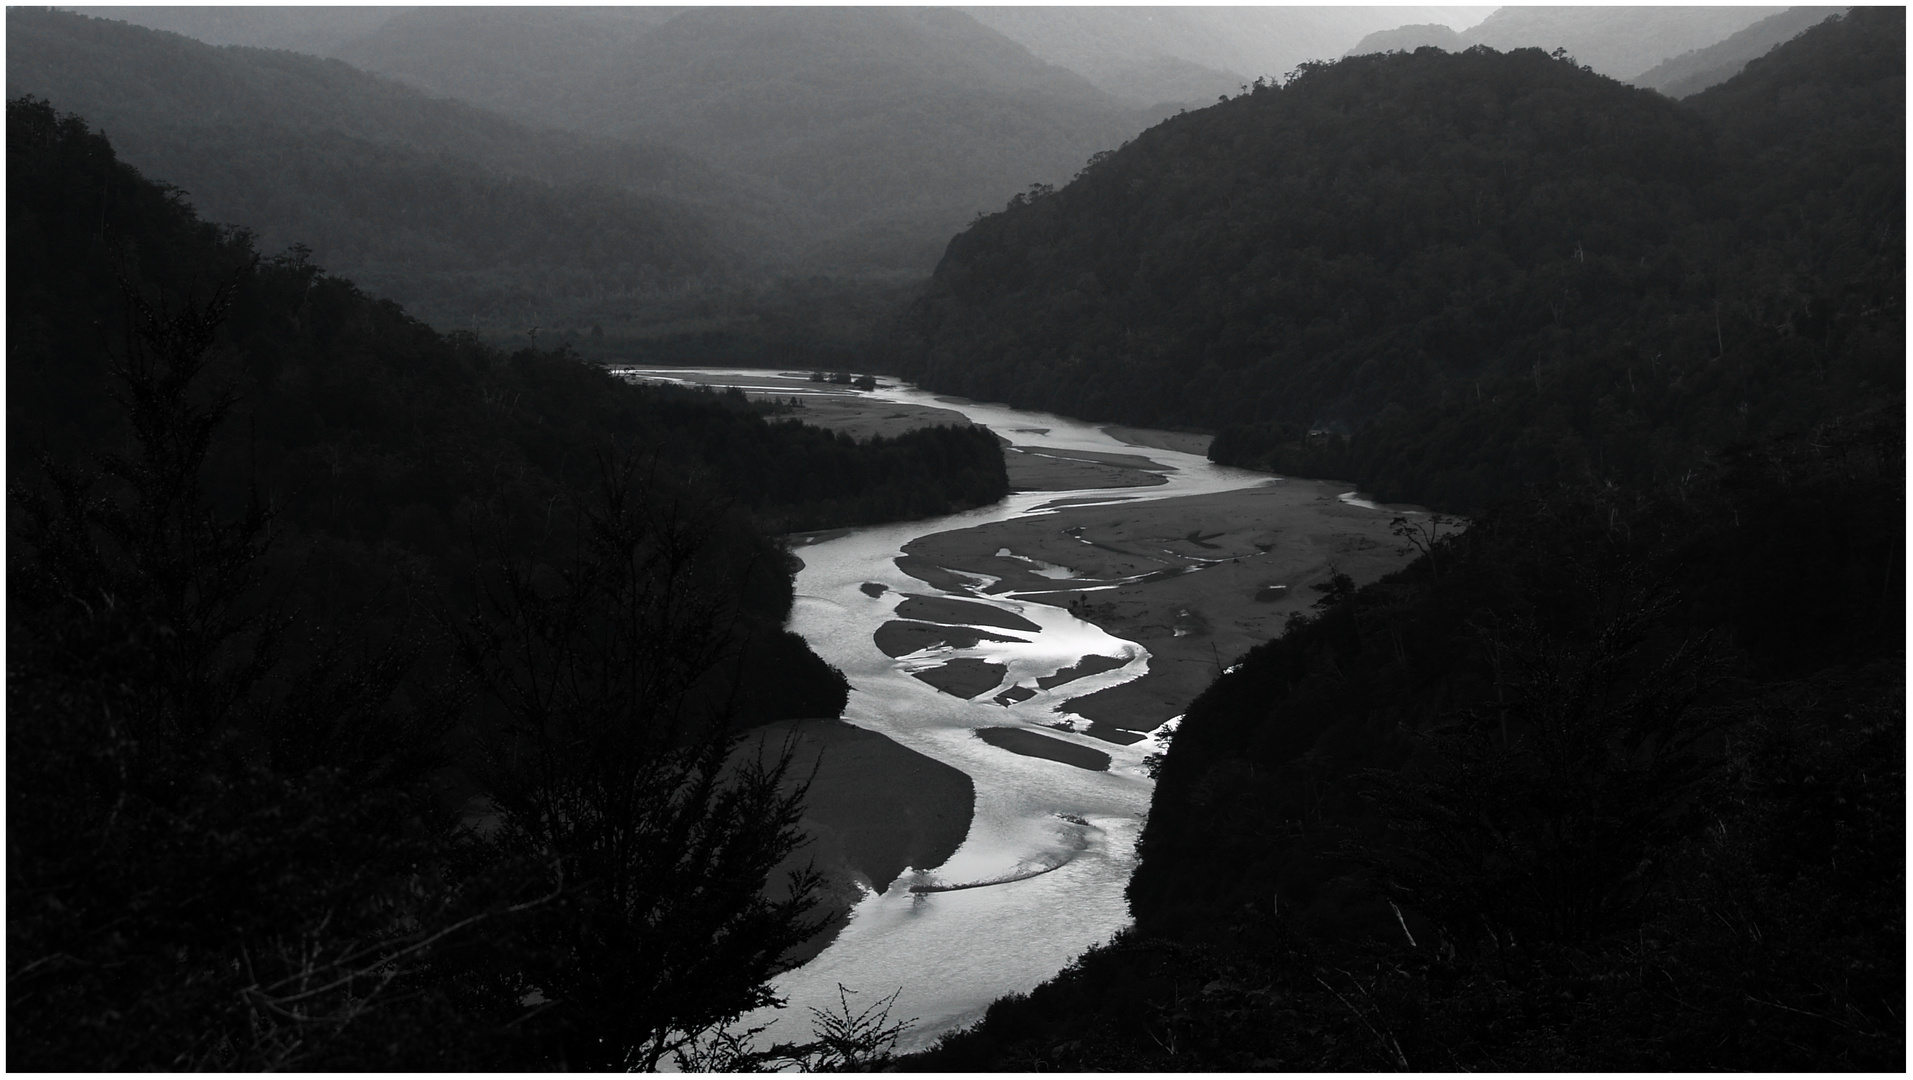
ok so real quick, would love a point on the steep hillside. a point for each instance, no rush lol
(1692, 72)
(1587, 787)
(1444, 276)
(470, 218)
(295, 582)
(892, 127)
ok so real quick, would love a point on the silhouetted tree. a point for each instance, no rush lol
(613, 672)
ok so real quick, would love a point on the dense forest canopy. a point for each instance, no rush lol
(293, 577)
(1444, 276)
(1614, 779)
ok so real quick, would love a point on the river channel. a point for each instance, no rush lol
(1051, 846)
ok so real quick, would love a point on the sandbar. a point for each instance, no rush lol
(1183, 441)
(1194, 578)
(965, 677)
(1030, 744)
(903, 638)
(941, 609)
(1033, 468)
(874, 808)
(1088, 665)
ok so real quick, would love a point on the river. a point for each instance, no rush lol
(1066, 835)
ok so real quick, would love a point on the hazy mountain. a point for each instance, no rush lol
(1123, 49)
(1410, 38)
(1694, 71)
(457, 212)
(1615, 41)
(1444, 258)
(314, 30)
(897, 125)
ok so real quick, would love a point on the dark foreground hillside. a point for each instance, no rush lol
(1604, 783)
(1614, 779)
(1447, 276)
(290, 576)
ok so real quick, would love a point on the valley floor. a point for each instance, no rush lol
(1196, 581)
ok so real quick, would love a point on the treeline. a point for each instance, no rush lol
(295, 582)
(1445, 277)
(1607, 782)
(799, 477)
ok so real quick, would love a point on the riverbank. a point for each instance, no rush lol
(1030, 645)
(835, 407)
(875, 809)
(1196, 580)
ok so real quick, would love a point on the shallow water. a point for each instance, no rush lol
(954, 952)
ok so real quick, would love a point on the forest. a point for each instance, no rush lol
(293, 577)
(1613, 777)
(1445, 277)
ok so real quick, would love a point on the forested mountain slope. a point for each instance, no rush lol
(1595, 784)
(466, 217)
(894, 126)
(1694, 71)
(1445, 276)
(291, 576)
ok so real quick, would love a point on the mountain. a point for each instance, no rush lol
(1694, 71)
(1410, 38)
(472, 218)
(315, 30)
(1127, 50)
(1614, 41)
(891, 127)
(1584, 788)
(1444, 277)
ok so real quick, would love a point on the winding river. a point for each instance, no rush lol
(1040, 877)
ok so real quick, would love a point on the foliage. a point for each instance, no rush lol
(1614, 778)
(610, 763)
(201, 872)
(1445, 277)
(239, 742)
(1555, 809)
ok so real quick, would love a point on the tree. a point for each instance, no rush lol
(185, 889)
(1544, 817)
(612, 677)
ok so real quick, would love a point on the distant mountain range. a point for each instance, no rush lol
(896, 126)
(1619, 42)
(1194, 54)
(465, 216)
(1696, 70)
(594, 159)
